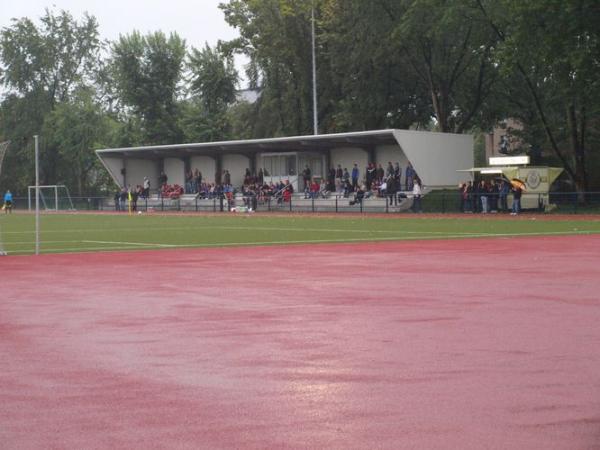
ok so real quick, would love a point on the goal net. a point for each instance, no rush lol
(3, 150)
(52, 198)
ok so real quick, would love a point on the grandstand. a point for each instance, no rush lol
(436, 157)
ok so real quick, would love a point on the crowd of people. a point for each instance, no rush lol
(489, 196)
(376, 182)
(390, 182)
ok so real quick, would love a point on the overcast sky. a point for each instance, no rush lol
(197, 21)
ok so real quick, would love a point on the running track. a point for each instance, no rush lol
(463, 344)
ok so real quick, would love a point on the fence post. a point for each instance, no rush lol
(146, 204)
(162, 203)
(196, 202)
(291, 203)
(313, 204)
(336, 203)
(387, 206)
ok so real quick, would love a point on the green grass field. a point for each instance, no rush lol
(97, 232)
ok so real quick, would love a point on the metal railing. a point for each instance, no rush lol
(434, 202)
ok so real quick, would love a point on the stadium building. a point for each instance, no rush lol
(436, 157)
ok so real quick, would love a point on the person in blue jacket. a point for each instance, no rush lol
(8, 202)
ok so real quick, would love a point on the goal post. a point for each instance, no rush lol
(54, 197)
(3, 150)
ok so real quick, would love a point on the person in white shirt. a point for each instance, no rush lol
(416, 194)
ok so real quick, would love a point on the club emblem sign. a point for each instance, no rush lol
(533, 179)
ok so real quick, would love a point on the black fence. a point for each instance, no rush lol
(434, 202)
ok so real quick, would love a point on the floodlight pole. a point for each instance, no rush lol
(314, 74)
(37, 196)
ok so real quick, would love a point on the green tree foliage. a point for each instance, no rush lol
(368, 84)
(550, 51)
(75, 127)
(41, 66)
(213, 82)
(213, 79)
(148, 74)
(450, 65)
(276, 36)
(448, 48)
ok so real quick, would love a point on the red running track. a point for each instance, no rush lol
(464, 344)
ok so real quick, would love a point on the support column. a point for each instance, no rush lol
(218, 168)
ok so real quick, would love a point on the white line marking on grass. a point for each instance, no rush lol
(143, 244)
(123, 245)
(315, 230)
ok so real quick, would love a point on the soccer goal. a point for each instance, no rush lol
(52, 198)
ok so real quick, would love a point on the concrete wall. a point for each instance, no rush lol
(114, 166)
(437, 156)
(237, 165)
(175, 171)
(137, 169)
(206, 165)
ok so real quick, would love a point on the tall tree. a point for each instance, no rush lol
(213, 82)
(369, 84)
(276, 35)
(148, 72)
(41, 66)
(213, 78)
(550, 49)
(75, 128)
(449, 49)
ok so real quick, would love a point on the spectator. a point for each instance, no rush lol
(392, 189)
(339, 173)
(483, 196)
(516, 206)
(417, 195)
(467, 194)
(261, 177)
(390, 170)
(462, 196)
(123, 198)
(197, 180)
(371, 175)
(146, 188)
(359, 195)
(355, 175)
(162, 179)
(380, 173)
(409, 177)
(314, 189)
(493, 197)
(117, 199)
(503, 195)
(306, 176)
(346, 176)
(398, 176)
(331, 180)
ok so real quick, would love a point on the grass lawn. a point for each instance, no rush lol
(103, 232)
